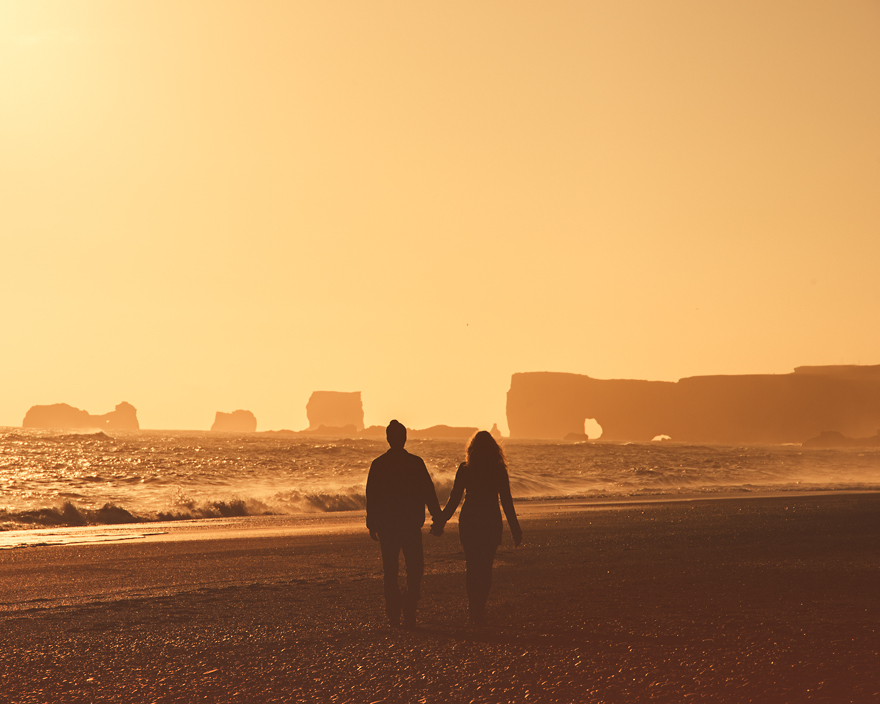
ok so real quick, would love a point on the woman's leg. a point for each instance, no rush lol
(479, 559)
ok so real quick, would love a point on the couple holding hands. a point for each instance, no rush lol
(398, 489)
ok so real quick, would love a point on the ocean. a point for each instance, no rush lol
(56, 478)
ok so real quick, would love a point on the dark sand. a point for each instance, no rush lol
(733, 600)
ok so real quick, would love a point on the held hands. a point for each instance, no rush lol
(437, 527)
(373, 535)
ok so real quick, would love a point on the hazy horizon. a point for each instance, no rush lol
(214, 206)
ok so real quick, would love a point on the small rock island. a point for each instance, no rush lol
(66, 417)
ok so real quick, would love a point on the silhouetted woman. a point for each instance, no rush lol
(483, 480)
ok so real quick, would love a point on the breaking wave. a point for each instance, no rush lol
(83, 479)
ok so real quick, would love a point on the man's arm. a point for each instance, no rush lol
(371, 501)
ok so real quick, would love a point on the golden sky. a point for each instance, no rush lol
(211, 205)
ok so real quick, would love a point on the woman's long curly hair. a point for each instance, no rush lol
(484, 451)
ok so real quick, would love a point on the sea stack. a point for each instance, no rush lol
(335, 409)
(235, 422)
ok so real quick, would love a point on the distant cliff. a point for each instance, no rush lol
(761, 408)
(60, 415)
(443, 432)
(335, 409)
(235, 422)
(832, 438)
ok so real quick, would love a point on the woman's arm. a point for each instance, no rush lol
(455, 495)
(509, 511)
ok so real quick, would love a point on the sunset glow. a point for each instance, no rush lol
(211, 206)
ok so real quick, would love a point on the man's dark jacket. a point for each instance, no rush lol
(398, 489)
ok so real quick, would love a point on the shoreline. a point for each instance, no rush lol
(339, 521)
(757, 598)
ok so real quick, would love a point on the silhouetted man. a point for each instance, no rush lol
(398, 489)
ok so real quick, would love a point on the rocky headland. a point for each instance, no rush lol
(443, 432)
(832, 438)
(759, 408)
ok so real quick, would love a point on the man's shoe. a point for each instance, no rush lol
(477, 617)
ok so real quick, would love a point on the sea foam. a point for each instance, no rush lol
(80, 479)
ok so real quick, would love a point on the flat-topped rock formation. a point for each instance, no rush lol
(335, 409)
(61, 415)
(758, 408)
(235, 422)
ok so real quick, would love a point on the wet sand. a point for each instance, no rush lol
(724, 600)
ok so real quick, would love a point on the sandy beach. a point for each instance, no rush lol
(773, 599)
